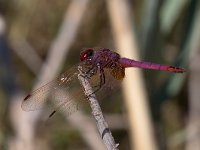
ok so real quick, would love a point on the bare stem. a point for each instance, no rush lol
(97, 113)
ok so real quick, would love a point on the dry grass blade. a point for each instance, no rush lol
(141, 130)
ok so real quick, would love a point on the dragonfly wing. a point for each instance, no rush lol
(63, 93)
(66, 108)
(38, 98)
(69, 108)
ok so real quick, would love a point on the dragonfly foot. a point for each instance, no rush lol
(91, 95)
(85, 76)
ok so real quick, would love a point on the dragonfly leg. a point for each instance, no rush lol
(88, 73)
(92, 71)
(101, 82)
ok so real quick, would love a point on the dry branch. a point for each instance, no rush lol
(97, 113)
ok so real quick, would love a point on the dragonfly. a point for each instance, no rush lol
(102, 67)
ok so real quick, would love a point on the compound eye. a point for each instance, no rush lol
(86, 54)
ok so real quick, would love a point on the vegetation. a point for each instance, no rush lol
(165, 32)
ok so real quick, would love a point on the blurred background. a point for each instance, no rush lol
(40, 39)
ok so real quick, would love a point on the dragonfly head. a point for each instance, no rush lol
(86, 55)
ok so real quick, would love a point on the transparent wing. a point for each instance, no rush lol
(64, 93)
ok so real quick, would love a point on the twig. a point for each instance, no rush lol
(97, 113)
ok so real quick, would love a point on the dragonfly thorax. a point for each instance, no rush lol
(102, 57)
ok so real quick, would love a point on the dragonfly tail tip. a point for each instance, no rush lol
(176, 69)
